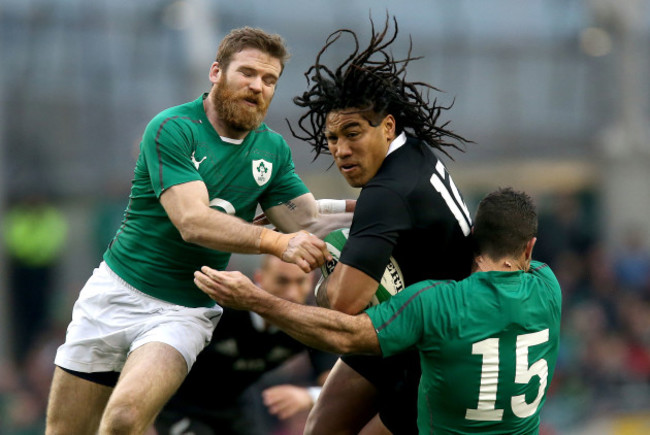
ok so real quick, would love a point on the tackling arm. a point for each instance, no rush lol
(317, 217)
(320, 328)
(187, 206)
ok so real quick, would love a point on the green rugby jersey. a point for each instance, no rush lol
(488, 346)
(180, 145)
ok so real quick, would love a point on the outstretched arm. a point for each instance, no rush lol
(188, 207)
(321, 217)
(324, 329)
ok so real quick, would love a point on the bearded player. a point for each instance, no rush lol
(203, 168)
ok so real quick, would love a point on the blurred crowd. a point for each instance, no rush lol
(604, 361)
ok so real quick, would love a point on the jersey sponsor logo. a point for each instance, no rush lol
(262, 171)
(197, 163)
(395, 274)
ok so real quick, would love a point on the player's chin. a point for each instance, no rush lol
(353, 181)
(248, 119)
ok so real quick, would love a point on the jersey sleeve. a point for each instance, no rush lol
(379, 214)
(544, 272)
(167, 149)
(286, 185)
(399, 321)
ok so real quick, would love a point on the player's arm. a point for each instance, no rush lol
(324, 329)
(346, 289)
(306, 213)
(350, 286)
(286, 400)
(187, 206)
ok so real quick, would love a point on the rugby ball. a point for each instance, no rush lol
(392, 281)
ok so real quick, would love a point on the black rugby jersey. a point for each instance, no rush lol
(411, 210)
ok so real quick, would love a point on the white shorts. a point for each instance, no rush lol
(111, 319)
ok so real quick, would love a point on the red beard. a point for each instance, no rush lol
(238, 116)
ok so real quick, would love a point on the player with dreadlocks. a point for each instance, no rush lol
(371, 85)
(383, 133)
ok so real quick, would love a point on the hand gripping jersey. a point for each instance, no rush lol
(488, 346)
(180, 145)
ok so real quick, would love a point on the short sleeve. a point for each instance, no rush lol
(379, 215)
(544, 272)
(167, 148)
(399, 321)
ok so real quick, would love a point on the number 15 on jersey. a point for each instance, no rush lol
(487, 394)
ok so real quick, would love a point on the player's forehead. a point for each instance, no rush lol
(257, 59)
(342, 119)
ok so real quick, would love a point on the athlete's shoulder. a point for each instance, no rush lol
(543, 273)
(446, 298)
(182, 114)
(420, 149)
(268, 133)
(414, 141)
(406, 172)
(267, 140)
(412, 151)
(430, 288)
(542, 270)
(407, 165)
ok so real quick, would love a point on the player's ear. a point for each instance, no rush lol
(528, 252)
(214, 72)
(389, 126)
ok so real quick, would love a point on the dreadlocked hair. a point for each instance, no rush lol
(371, 81)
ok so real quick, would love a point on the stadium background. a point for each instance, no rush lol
(554, 93)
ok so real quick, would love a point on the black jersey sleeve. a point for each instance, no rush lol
(379, 215)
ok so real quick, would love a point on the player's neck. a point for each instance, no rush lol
(484, 263)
